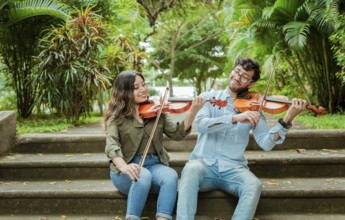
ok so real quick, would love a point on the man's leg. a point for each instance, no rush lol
(244, 184)
(193, 175)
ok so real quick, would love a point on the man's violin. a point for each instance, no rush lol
(174, 106)
(272, 104)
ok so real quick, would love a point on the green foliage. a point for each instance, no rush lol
(51, 123)
(338, 42)
(153, 92)
(21, 23)
(20, 10)
(189, 47)
(297, 33)
(126, 27)
(7, 95)
(70, 72)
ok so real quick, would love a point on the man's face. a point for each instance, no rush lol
(240, 79)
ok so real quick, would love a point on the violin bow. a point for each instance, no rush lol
(268, 83)
(153, 129)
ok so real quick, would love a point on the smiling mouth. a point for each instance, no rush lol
(236, 81)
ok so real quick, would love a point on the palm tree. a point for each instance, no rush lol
(21, 23)
(300, 30)
(306, 29)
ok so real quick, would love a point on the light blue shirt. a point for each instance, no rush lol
(220, 141)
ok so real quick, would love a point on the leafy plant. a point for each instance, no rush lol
(21, 23)
(70, 71)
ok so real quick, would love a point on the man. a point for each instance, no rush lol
(217, 161)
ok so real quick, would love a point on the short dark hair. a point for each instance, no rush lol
(249, 64)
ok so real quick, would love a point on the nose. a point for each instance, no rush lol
(143, 88)
(237, 75)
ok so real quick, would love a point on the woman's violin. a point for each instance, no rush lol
(174, 106)
(273, 104)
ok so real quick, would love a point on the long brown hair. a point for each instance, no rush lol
(121, 104)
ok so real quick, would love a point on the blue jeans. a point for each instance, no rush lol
(155, 177)
(239, 182)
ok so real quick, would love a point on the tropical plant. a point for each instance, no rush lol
(338, 38)
(70, 71)
(21, 23)
(300, 31)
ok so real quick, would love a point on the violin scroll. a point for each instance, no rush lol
(218, 102)
(316, 110)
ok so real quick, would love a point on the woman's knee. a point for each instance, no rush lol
(145, 178)
(172, 175)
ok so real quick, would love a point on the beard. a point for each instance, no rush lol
(235, 87)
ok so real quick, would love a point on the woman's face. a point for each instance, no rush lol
(140, 90)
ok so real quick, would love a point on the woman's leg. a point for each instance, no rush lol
(164, 181)
(137, 191)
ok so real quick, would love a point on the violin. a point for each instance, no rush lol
(273, 104)
(174, 105)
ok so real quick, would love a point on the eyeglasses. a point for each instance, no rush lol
(243, 78)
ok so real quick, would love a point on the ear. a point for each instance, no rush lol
(251, 84)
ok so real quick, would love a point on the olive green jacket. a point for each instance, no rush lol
(124, 140)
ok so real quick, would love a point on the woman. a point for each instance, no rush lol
(126, 139)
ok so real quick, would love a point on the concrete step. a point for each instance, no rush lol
(279, 163)
(274, 216)
(280, 195)
(76, 143)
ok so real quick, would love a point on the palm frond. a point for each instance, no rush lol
(20, 10)
(296, 34)
(3, 3)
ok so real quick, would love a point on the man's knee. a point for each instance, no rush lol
(193, 167)
(254, 185)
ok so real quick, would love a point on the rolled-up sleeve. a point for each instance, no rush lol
(265, 136)
(113, 145)
(174, 130)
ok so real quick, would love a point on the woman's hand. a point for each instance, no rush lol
(197, 104)
(132, 170)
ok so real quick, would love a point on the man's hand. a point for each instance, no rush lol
(298, 105)
(247, 117)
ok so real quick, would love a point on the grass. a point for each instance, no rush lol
(41, 124)
(327, 121)
(336, 121)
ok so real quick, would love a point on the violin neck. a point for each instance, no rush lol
(178, 99)
(272, 99)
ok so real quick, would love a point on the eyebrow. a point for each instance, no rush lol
(244, 73)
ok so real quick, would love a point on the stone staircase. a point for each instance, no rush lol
(63, 176)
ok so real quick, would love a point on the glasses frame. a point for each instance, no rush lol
(242, 78)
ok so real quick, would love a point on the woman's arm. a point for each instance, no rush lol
(198, 102)
(132, 169)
